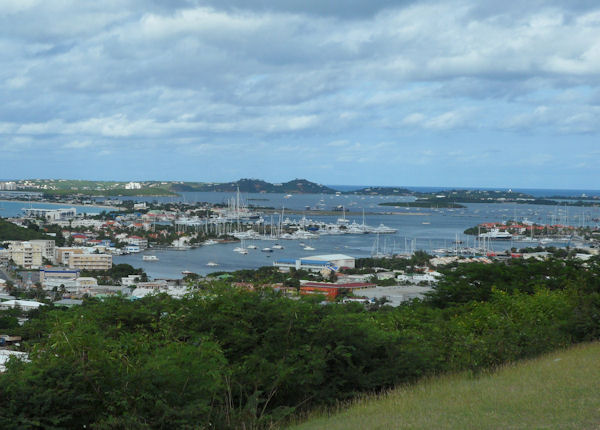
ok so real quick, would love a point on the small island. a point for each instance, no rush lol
(425, 204)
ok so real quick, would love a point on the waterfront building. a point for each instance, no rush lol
(132, 249)
(52, 214)
(90, 261)
(137, 241)
(8, 186)
(63, 254)
(317, 263)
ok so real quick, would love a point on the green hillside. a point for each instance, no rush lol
(556, 391)
(10, 231)
(301, 186)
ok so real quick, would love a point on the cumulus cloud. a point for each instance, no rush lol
(150, 75)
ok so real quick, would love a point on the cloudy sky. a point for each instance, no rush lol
(379, 92)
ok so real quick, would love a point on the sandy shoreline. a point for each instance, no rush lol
(61, 204)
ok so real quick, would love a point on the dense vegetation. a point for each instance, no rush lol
(556, 391)
(10, 231)
(113, 275)
(225, 357)
(256, 186)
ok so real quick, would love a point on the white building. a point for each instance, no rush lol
(26, 305)
(137, 241)
(47, 248)
(52, 214)
(130, 280)
(26, 254)
(429, 277)
(132, 249)
(133, 186)
(93, 223)
(316, 263)
(8, 186)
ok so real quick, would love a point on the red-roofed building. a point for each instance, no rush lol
(332, 290)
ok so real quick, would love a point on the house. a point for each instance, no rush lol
(26, 305)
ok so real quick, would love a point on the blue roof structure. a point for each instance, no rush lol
(315, 262)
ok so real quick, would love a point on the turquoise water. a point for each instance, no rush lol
(13, 209)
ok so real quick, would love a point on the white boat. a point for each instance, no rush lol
(150, 258)
(382, 229)
(251, 247)
(266, 250)
(308, 248)
(277, 246)
(212, 264)
(210, 242)
(496, 234)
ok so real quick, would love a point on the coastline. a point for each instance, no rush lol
(60, 204)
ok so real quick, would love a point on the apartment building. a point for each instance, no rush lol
(47, 247)
(26, 254)
(90, 261)
(63, 254)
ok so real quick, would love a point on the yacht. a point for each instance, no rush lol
(251, 247)
(266, 250)
(212, 264)
(308, 248)
(496, 234)
(150, 258)
(277, 246)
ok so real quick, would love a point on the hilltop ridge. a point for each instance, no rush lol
(246, 185)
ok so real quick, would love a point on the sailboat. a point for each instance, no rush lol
(241, 249)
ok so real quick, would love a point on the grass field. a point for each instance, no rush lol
(556, 391)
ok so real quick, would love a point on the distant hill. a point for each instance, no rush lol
(295, 186)
(382, 191)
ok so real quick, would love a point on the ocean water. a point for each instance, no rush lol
(425, 229)
(15, 208)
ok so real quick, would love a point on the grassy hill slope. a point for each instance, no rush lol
(556, 391)
(10, 231)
